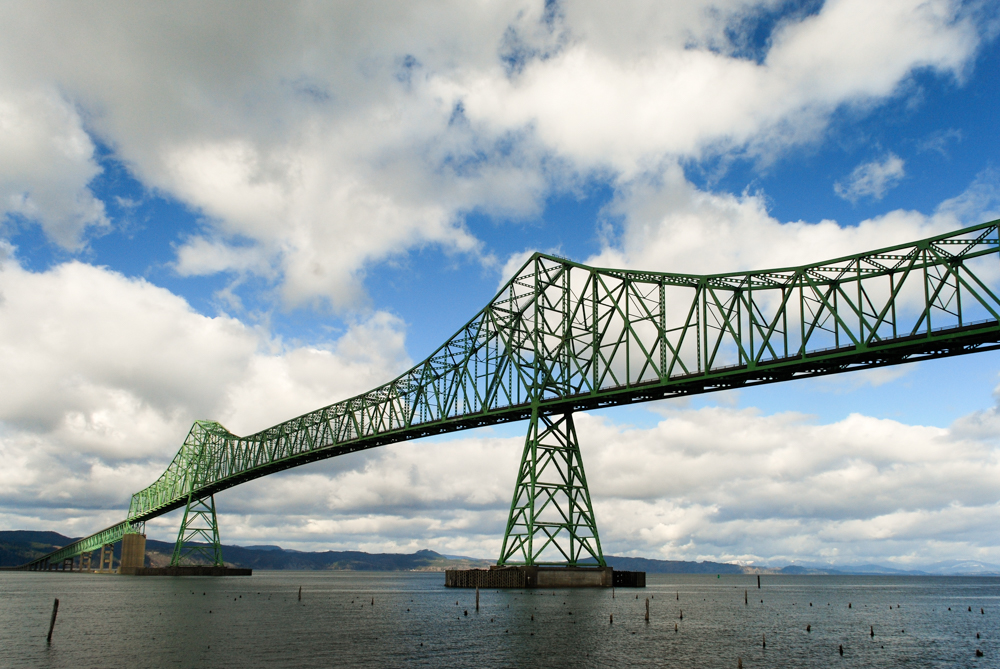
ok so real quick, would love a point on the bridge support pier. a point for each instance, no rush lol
(107, 563)
(551, 518)
(133, 553)
(198, 540)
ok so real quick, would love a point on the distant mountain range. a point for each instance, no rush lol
(20, 546)
(946, 568)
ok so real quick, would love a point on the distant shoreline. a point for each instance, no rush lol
(20, 546)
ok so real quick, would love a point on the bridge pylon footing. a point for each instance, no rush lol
(523, 577)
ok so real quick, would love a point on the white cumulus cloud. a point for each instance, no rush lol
(47, 164)
(318, 139)
(715, 483)
(666, 223)
(872, 179)
(103, 376)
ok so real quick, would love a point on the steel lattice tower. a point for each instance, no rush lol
(551, 514)
(198, 540)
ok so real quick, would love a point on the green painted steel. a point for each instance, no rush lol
(89, 544)
(561, 337)
(198, 539)
(551, 518)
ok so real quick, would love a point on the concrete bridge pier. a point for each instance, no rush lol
(107, 563)
(133, 553)
(533, 576)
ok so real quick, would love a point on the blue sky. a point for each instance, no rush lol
(244, 213)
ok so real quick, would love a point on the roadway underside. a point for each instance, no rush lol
(973, 338)
(976, 338)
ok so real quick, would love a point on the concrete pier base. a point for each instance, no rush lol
(544, 577)
(107, 563)
(133, 552)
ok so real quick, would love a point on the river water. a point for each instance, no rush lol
(258, 621)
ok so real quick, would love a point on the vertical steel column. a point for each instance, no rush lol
(551, 516)
(198, 539)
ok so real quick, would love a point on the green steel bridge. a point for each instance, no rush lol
(562, 337)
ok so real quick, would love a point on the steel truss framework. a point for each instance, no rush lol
(198, 539)
(561, 337)
(87, 545)
(551, 510)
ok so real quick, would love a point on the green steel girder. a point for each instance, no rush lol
(89, 544)
(562, 336)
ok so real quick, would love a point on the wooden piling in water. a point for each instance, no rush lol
(52, 623)
(758, 581)
(300, 593)
(647, 609)
(477, 599)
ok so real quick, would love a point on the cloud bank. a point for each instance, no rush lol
(315, 141)
(318, 139)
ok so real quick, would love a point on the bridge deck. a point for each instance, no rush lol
(564, 337)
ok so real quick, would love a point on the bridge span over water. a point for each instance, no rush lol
(561, 337)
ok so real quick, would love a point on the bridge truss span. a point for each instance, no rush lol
(561, 336)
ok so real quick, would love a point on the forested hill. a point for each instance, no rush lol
(20, 546)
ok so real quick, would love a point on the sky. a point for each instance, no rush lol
(245, 211)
